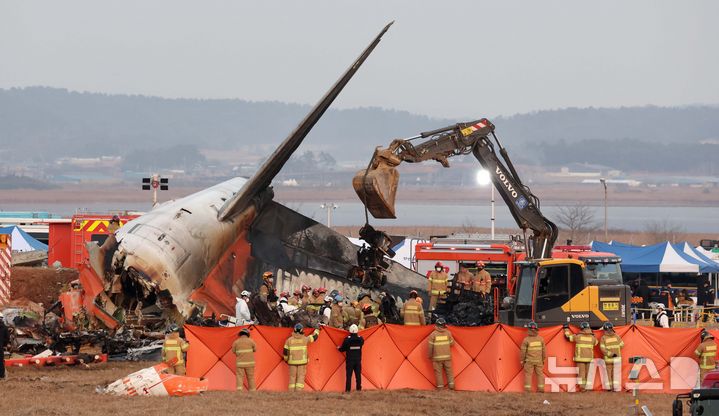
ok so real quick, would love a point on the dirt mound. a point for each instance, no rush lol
(40, 284)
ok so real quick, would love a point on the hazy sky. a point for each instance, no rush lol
(442, 58)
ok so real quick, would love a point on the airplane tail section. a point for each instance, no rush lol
(263, 178)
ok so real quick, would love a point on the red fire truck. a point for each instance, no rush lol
(499, 256)
(67, 239)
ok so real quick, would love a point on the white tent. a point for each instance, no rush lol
(22, 241)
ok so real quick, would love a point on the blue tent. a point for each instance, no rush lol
(22, 241)
(706, 265)
(657, 258)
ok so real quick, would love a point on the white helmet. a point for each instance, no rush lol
(245, 293)
(283, 299)
(661, 306)
(328, 299)
(353, 329)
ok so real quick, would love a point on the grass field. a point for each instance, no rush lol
(71, 391)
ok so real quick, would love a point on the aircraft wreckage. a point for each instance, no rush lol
(193, 256)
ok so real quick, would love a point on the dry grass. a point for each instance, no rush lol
(70, 391)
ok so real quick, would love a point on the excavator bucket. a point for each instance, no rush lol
(377, 189)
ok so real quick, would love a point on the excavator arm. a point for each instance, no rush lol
(376, 186)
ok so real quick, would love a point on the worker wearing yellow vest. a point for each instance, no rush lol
(584, 343)
(244, 348)
(174, 347)
(611, 345)
(440, 352)
(437, 285)
(297, 356)
(533, 352)
(706, 353)
(412, 311)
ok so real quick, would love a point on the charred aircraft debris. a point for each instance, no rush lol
(189, 259)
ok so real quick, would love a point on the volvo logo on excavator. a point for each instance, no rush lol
(502, 177)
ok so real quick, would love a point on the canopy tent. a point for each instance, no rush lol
(22, 241)
(706, 265)
(658, 258)
(710, 254)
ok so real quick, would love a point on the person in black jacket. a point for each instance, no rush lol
(352, 345)
(4, 340)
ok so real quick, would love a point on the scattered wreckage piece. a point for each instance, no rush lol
(42, 360)
(155, 381)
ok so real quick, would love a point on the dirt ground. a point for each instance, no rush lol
(71, 391)
(39, 284)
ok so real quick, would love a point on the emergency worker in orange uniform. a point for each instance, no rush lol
(440, 352)
(482, 280)
(437, 285)
(611, 345)
(533, 353)
(244, 348)
(706, 354)
(297, 356)
(412, 312)
(584, 343)
(175, 347)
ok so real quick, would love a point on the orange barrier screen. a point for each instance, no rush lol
(483, 358)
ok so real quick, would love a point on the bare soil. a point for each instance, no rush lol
(71, 391)
(40, 284)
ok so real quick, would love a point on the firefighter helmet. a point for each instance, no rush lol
(413, 294)
(438, 264)
(608, 326)
(245, 332)
(584, 325)
(298, 328)
(532, 325)
(441, 322)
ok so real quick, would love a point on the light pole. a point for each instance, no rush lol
(329, 207)
(606, 233)
(484, 179)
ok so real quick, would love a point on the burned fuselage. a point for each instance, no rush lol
(196, 254)
(185, 261)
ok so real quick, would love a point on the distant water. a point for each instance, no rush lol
(691, 219)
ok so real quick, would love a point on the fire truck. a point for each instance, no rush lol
(499, 255)
(67, 239)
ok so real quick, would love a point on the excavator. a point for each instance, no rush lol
(548, 291)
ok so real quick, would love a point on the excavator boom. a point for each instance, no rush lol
(376, 186)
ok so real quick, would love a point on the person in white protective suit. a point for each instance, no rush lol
(242, 310)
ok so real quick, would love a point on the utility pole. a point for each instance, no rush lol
(329, 207)
(491, 185)
(606, 232)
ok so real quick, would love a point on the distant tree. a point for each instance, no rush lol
(576, 219)
(185, 157)
(663, 230)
